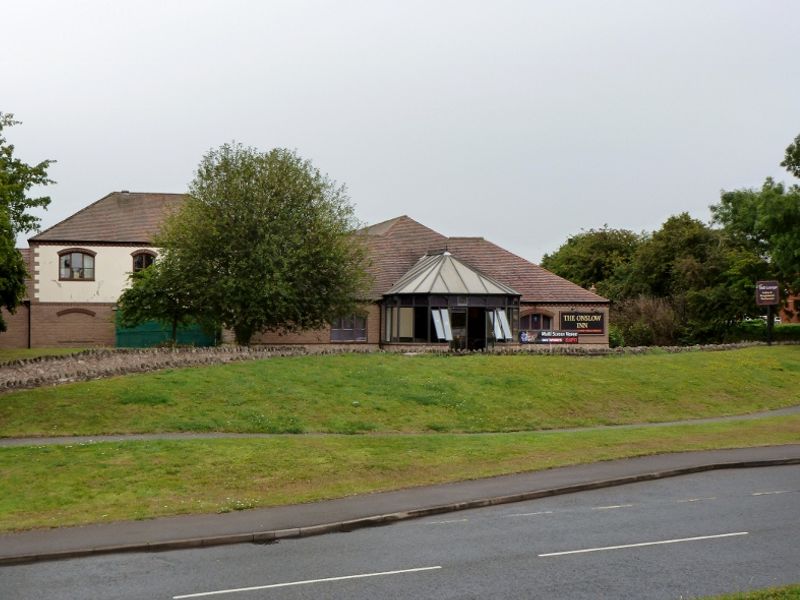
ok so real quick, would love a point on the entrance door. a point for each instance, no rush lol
(476, 328)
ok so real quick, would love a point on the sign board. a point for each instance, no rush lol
(549, 337)
(583, 322)
(768, 293)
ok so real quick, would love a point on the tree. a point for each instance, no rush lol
(768, 221)
(158, 293)
(12, 269)
(792, 159)
(266, 243)
(593, 257)
(16, 180)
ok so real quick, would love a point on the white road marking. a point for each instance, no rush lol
(291, 583)
(696, 499)
(611, 507)
(450, 521)
(770, 493)
(533, 514)
(676, 541)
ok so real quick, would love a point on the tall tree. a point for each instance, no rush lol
(792, 158)
(12, 269)
(16, 180)
(594, 257)
(767, 220)
(266, 242)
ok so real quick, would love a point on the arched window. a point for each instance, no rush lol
(76, 264)
(143, 259)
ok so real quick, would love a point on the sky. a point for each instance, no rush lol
(523, 122)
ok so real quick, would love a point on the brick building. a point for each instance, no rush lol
(428, 290)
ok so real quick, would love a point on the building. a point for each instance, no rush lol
(428, 290)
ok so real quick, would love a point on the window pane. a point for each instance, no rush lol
(437, 323)
(448, 332)
(77, 260)
(546, 322)
(501, 317)
(64, 267)
(536, 321)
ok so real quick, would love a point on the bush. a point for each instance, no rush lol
(646, 321)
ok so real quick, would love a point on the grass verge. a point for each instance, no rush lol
(789, 592)
(394, 393)
(48, 486)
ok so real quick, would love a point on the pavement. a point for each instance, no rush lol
(265, 525)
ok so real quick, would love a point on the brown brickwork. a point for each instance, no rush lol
(72, 328)
(323, 336)
(16, 334)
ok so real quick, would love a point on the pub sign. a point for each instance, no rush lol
(583, 322)
(767, 293)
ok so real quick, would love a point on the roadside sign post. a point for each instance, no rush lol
(768, 293)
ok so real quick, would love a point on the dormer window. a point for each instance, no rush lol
(76, 264)
(143, 259)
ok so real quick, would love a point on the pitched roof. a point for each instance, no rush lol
(396, 245)
(442, 273)
(119, 217)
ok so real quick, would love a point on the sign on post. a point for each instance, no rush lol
(768, 293)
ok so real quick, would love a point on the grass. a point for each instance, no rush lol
(390, 393)
(789, 592)
(46, 486)
(23, 353)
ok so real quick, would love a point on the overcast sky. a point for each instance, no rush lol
(522, 122)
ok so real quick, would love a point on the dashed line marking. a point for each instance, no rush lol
(307, 581)
(696, 499)
(448, 521)
(613, 506)
(770, 493)
(532, 514)
(639, 545)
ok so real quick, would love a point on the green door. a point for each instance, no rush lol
(154, 333)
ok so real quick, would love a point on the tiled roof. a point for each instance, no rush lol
(118, 217)
(396, 245)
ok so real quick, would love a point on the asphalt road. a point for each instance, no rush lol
(709, 533)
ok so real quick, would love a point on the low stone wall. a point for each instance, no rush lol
(95, 364)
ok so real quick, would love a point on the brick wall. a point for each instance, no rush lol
(323, 336)
(72, 325)
(16, 334)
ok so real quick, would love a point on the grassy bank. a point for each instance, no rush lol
(50, 486)
(789, 592)
(395, 393)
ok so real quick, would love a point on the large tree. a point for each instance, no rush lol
(265, 242)
(16, 180)
(593, 257)
(12, 269)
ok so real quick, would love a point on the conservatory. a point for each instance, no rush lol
(442, 300)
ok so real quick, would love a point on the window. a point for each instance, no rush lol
(143, 259)
(350, 328)
(535, 322)
(76, 265)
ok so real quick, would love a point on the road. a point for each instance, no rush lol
(682, 537)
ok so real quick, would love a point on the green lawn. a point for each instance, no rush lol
(87, 483)
(790, 592)
(427, 393)
(22, 353)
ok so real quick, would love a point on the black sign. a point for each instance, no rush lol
(583, 322)
(549, 337)
(768, 293)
